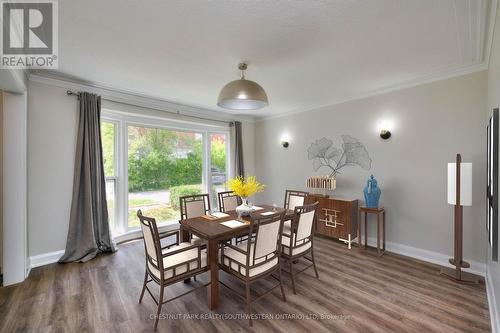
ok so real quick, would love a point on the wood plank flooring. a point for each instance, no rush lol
(357, 292)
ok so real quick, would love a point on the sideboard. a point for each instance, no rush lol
(337, 218)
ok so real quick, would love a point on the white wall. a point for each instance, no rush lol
(14, 187)
(433, 122)
(52, 127)
(493, 268)
(52, 121)
(1, 182)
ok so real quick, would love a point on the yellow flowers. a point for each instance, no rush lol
(244, 187)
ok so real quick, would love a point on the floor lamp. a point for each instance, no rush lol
(459, 194)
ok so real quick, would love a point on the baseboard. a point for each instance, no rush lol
(52, 257)
(429, 256)
(492, 304)
(409, 251)
(45, 259)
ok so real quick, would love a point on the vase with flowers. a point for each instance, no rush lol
(244, 188)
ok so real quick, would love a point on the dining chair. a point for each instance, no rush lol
(228, 201)
(194, 206)
(298, 239)
(170, 264)
(256, 259)
(294, 198)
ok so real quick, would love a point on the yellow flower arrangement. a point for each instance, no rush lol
(245, 187)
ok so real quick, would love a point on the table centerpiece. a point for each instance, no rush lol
(244, 188)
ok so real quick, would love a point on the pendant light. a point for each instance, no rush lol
(242, 94)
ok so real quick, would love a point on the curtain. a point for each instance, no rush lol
(239, 169)
(88, 232)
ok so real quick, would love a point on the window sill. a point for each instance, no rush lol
(137, 233)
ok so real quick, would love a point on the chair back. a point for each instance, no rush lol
(228, 201)
(194, 205)
(152, 245)
(267, 230)
(303, 223)
(294, 198)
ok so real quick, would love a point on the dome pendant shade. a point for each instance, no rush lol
(242, 94)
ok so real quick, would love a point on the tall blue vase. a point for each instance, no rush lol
(372, 193)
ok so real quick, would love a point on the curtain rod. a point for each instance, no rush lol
(231, 123)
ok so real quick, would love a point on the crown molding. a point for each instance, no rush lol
(490, 28)
(464, 70)
(134, 98)
(487, 18)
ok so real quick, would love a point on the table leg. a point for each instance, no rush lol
(366, 231)
(213, 265)
(378, 234)
(185, 237)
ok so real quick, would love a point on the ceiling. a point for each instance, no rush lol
(305, 54)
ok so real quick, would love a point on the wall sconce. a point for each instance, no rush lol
(385, 134)
(285, 140)
(385, 127)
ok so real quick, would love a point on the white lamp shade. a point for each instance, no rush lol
(465, 184)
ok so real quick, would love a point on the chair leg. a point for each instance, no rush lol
(249, 309)
(143, 286)
(281, 284)
(160, 303)
(291, 276)
(314, 263)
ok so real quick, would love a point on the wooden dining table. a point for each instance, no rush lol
(211, 230)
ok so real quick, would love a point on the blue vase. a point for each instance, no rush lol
(372, 193)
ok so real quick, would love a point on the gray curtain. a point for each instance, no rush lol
(238, 149)
(88, 232)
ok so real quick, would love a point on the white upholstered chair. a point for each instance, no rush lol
(168, 265)
(293, 198)
(194, 206)
(256, 259)
(228, 201)
(298, 239)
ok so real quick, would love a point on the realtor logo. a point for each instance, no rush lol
(29, 34)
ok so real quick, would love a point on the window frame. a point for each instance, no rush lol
(114, 177)
(227, 162)
(122, 121)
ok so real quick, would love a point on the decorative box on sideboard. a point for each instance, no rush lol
(337, 218)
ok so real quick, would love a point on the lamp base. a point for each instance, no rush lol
(458, 275)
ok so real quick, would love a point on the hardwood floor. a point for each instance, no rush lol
(365, 293)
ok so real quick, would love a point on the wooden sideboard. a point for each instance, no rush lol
(337, 218)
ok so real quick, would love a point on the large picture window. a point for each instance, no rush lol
(162, 165)
(149, 165)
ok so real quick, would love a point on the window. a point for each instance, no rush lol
(108, 139)
(162, 166)
(149, 164)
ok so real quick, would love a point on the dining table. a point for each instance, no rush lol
(210, 229)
